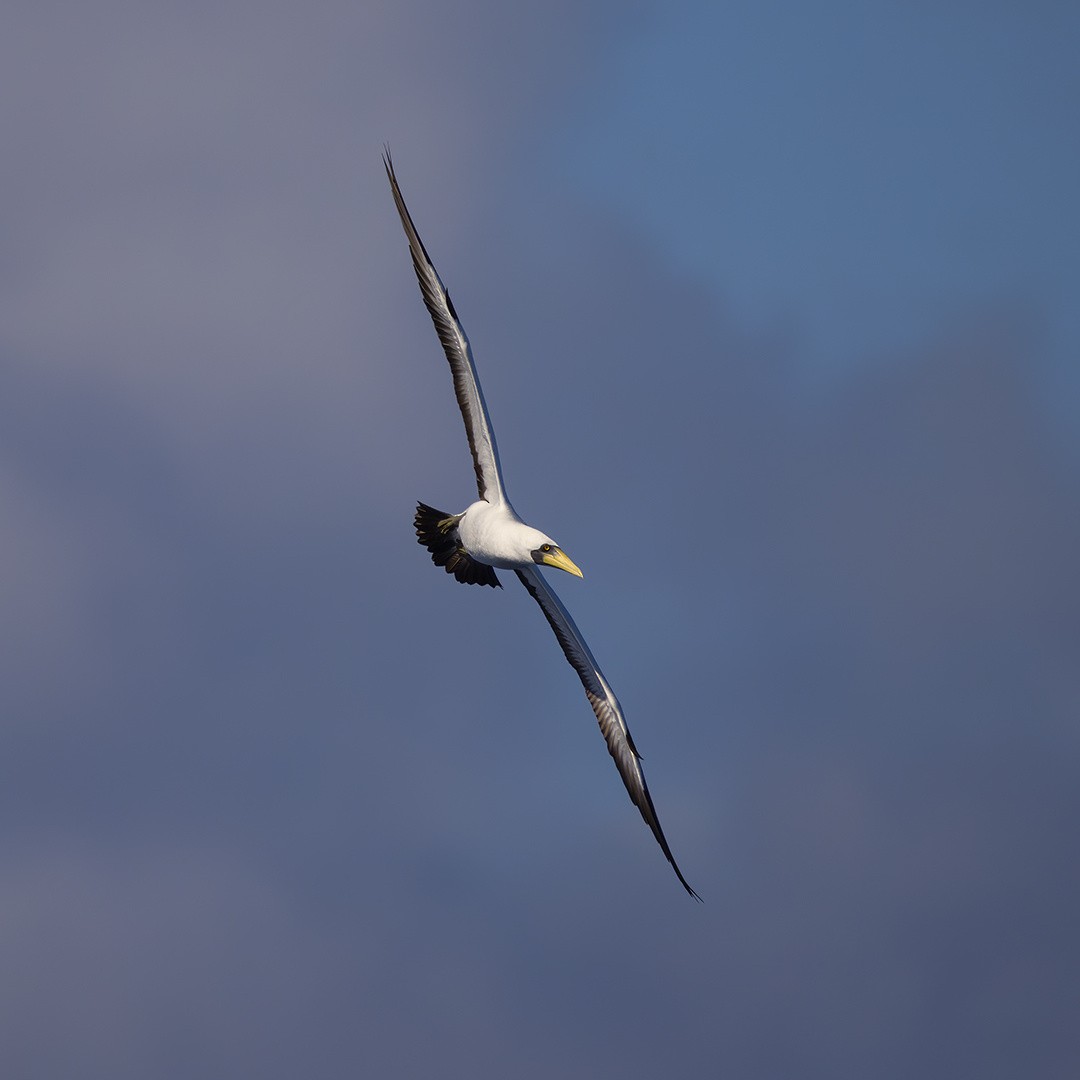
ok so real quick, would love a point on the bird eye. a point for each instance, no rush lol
(545, 547)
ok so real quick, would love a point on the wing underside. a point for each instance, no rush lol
(455, 344)
(604, 704)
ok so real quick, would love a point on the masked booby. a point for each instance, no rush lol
(489, 533)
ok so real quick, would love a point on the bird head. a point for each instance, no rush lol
(548, 553)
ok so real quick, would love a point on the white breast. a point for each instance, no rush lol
(497, 536)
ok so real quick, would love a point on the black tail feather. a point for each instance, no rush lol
(438, 533)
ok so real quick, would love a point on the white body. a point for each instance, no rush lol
(494, 534)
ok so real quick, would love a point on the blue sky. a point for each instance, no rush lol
(775, 316)
(868, 166)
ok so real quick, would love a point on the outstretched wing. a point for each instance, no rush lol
(455, 344)
(604, 704)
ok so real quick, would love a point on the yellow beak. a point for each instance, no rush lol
(561, 561)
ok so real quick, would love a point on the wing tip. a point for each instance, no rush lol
(686, 885)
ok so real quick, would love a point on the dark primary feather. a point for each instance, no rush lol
(455, 344)
(604, 704)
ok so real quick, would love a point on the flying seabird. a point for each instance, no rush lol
(490, 534)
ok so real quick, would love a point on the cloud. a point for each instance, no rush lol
(280, 798)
